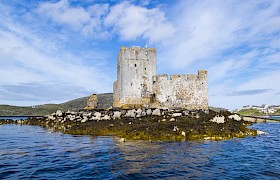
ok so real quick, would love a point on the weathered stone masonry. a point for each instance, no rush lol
(138, 85)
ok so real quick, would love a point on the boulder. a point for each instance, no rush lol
(261, 132)
(71, 117)
(87, 114)
(149, 112)
(97, 116)
(218, 119)
(78, 118)
(156, 112)
(235, 117)
(59, 113)
(175, 128)
(50, 117)
(122, 140)
(117, 115)
(68, 112)
(85, 119)
(130, 113)
(138, 113)
(172, 119)
(185, 113)
(143, 113)
(106, 117)
(176, 114)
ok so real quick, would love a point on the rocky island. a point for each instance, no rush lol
(146, 124)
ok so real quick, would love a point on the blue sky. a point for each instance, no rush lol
(58, 50)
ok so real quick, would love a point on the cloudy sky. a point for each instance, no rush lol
(58, 50)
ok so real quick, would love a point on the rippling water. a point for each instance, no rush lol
(13, 117)
(275, 117)
(34, 152)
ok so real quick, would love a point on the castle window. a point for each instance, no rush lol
(145, 68)
(146, 53)
(131, 84)
(135, 65)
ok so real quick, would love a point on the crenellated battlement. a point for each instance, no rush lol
(138, 85)
(181, 77)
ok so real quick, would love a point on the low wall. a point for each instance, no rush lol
(258, 119)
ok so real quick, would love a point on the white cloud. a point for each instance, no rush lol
(86, 20)
(205, 29)
(27, 57)
(132, 22)
(101, 20)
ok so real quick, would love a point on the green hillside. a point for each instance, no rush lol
(105, 101)
(255, 112)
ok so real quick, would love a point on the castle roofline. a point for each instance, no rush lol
(137, 48)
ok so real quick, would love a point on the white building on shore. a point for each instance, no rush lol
(263, 108)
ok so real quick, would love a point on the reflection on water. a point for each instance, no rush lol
(34, 152)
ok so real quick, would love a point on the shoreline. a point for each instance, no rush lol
(257, 119)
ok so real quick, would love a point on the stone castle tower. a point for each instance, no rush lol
(138, 85)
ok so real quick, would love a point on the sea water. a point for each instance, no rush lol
(28, 152)
(275, 117)
(14, 117)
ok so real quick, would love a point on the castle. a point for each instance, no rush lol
(138, 85)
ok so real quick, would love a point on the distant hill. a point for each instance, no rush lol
(217, 109)
(104, 101)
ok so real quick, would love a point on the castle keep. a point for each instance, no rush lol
(138, 85)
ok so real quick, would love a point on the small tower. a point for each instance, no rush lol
(136, 67)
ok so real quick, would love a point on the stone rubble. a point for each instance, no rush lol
(99, 114)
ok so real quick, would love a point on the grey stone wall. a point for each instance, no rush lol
(139, 86)
(181, 91)
(136, 67)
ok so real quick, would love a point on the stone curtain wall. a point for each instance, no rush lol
(181, 91)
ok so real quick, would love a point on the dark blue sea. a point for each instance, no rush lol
(29, 152)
